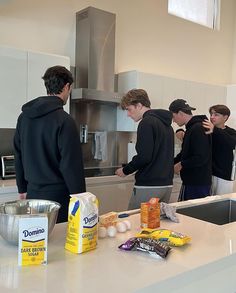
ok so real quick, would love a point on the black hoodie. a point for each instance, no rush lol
(47, 149)
(196, 154)
(155, 150)
(223, 144)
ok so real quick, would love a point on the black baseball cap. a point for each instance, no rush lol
(180, 105)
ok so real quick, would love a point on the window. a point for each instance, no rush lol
(204, 12)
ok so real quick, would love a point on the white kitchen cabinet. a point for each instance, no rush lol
(231, 103)
(13, 81)
(37, 65)
(113, 192)
(125, 123)
(152, 83)
(126, 81)
(21, 74)
(162, 90)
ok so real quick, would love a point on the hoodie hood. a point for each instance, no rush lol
(196, 119)
(42, 106)
(164, 115)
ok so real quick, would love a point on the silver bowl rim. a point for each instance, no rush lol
(28, 200)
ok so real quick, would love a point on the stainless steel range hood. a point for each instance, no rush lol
(91, 94)
(95, 56)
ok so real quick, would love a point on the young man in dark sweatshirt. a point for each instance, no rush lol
(48, 155)
(223, 149)
(153, 163)
(194, 161)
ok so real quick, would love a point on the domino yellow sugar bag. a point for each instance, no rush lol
(82, 227)
(171, 237)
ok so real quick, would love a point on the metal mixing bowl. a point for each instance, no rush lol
(12, 211)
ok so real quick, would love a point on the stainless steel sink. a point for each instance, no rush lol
(219, 212)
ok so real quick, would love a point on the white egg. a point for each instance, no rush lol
(127, 224)
(121, 227)
(111, 231)
(102, 232)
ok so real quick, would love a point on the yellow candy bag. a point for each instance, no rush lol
(171, 237)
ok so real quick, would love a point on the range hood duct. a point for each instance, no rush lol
(95, 56)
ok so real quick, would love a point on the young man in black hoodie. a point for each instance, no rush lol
(48, 155)
(194, 161)
(153, 163)
(223, 149)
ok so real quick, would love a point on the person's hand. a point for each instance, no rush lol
(208, 125)
(180, 134)
(119, 172)
(177, 168)
(22, 195)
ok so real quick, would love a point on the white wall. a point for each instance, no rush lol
(231, 103)
(234, 57)
(147, 38)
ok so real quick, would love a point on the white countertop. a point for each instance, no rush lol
(208, 264)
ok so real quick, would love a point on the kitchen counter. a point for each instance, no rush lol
(10, 184)
(112, 192)
(207, 264)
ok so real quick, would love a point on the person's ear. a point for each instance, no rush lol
(139, 106)
(226, 117)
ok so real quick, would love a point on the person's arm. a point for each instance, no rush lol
(177, 163)
(119, 172)
(177, 168)
(20, 176)
(209, 127)
(22, 195)
(71, 162)
(177, 158)
(144, 148)
(179, 133)
(227, 136)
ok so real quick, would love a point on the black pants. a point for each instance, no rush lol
(59, 196)
(192, 192)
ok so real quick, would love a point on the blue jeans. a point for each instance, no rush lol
(192, 192)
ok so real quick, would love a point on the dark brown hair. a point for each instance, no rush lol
(221, 109)
(55, 78)
(135, 96)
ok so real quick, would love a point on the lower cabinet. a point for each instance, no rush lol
(113, 193)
